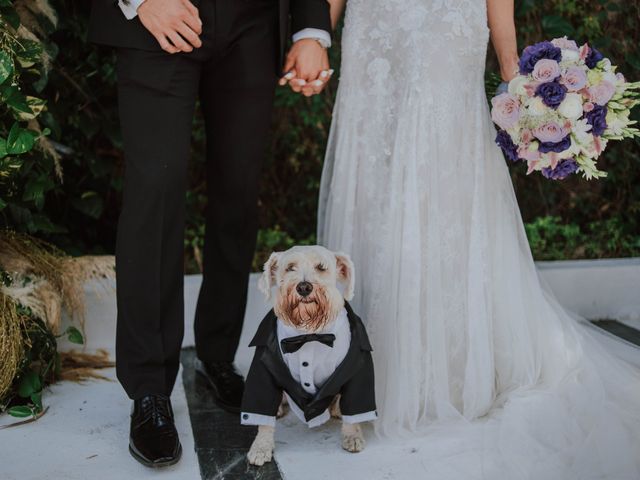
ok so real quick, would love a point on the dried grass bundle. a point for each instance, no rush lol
(42, 282)
(81, 366)
(11, 342)
(47, 281)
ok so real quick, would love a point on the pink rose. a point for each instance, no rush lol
(565, 43)
(620, 78)
(506, 110)
(602, 93)
(546, 70)
(550, 132)
(574, 79)
(587, 107)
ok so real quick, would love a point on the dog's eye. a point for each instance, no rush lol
(321, 268)
(291, 267)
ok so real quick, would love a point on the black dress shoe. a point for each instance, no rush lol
(153, 440)
(226, 382)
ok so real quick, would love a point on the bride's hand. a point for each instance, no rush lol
(509, 69)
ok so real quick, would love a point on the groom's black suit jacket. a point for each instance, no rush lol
(108, 25)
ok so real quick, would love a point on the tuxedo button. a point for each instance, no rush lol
(245, 416)
(307, 384)
(305, 364)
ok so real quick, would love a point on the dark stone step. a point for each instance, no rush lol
(221, 442)
(630, 334)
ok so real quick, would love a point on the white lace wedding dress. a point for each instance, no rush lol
(415, 189)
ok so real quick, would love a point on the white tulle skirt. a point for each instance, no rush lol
(466, 338)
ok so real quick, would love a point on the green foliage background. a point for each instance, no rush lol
(79, 127)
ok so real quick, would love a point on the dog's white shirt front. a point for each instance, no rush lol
(314, 363)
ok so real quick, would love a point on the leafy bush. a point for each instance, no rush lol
(28, 161)
(80, 119)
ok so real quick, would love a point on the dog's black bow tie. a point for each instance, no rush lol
(293, 344)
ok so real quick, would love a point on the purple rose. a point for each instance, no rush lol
(533, 53)
(597, 118)
(510, 149)
(561, 146)
(593, 57)
(552, 93)
(563, 169)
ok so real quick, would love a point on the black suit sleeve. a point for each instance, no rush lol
(310, 14)
(358, 398)
(262, 396)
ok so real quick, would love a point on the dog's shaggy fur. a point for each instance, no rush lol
(324, 270)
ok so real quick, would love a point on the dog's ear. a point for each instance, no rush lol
(268, 278)
(346, 274)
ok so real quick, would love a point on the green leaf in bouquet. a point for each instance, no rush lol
(19, 140)
(6, 66)
(3, 204)
(6, 3)
(556, 26)
(74, 335)
(21, 411)
(30, 383)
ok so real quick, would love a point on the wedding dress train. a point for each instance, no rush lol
(415, 189)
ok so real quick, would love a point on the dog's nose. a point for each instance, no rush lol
(304, 289)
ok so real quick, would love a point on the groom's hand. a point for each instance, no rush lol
(307, 67)
(175, 24)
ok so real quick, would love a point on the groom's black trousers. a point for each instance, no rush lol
(234, 76)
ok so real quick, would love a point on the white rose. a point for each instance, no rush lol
(516, 85)
(610, 77)
(605, 63)
(570, 55)
(571, 106)
(536, 107)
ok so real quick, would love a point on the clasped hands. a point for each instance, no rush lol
(307, 68)
(177, 27)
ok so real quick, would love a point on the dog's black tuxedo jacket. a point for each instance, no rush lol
(233, 75)
(269, 377)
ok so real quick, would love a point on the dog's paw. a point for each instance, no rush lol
(259, 455)
(352, 438)
(353, 443)
(261, 450)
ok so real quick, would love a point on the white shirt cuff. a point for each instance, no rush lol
(130, 10)
(314, 33)
(361, 417)
(257, 419)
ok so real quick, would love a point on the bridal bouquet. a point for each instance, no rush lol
(561, 110)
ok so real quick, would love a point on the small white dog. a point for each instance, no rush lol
(312, 347)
